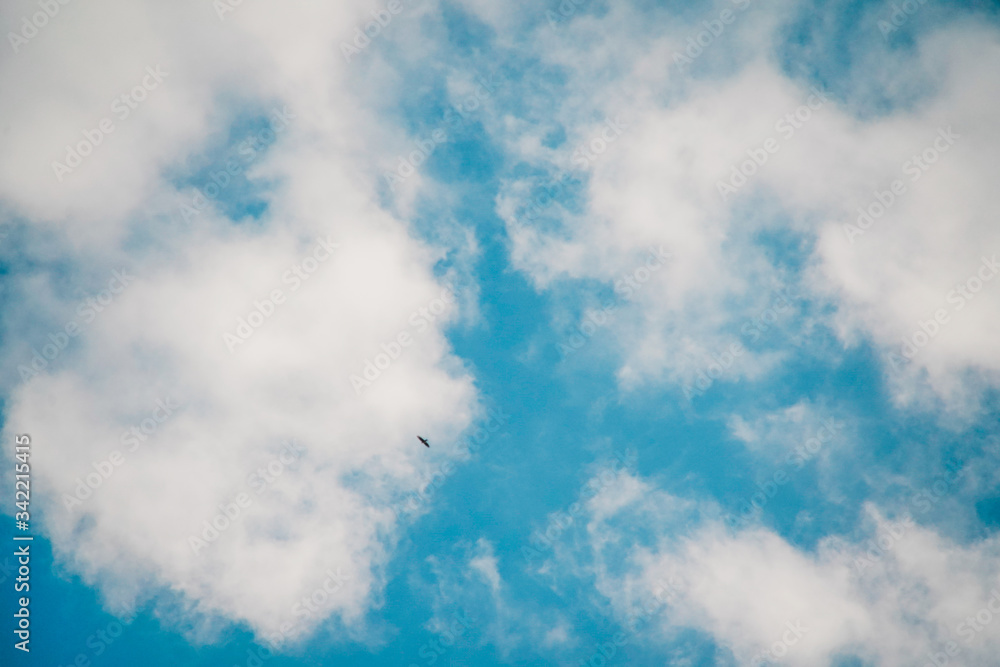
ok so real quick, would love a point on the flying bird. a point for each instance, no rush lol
(424, 440)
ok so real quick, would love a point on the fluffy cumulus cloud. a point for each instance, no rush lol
(224, 320)
(223, 410)
(795, 198)
(897, 593)
(919, 277)
(700, 137)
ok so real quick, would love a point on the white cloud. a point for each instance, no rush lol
(892, 596)
(163, 336)
(659, 183)
(799, 430)
(485, 564)
(904, 269)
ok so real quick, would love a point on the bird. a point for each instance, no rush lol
(424, 440)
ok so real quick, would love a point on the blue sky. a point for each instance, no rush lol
(690, 444)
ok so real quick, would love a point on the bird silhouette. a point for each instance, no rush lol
(424, 440)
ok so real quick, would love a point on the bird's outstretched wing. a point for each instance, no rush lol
(423, 440)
